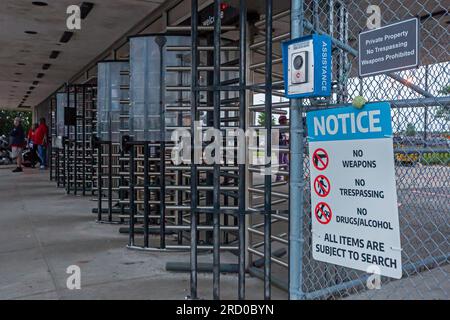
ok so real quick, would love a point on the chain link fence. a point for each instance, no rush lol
(420, 122)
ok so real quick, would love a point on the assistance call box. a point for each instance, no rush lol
(307, 66)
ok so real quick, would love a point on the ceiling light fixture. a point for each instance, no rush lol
(39, 3)
(85, 8)
(67, 35)
(54, 54)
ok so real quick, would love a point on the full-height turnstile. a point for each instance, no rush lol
(216, 110)
(159, 192)
(162, 193)
(72, 125)
(112, 107)
(58, 149)
(53, 151)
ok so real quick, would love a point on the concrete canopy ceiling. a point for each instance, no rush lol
(23, 55)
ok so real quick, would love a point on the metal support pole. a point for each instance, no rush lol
(64, 162)
(131, 196)
(296, 182)
(67, 155)
(75, 142)
(179, 178)
(58, 151)
(84, 140)
(110, 181)
(122, 183)
(268, 167)
(194, 100)
(93, 116)
(99, 183)
(67, 162)
(146, 194)
(242, 107)
(425, 125)
(162, 140)
(50, 158)
(316, 18)
(216, 173)
(340, 9)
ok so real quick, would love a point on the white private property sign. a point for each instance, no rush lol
(353, 195)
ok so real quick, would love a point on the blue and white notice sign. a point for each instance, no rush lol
(354, 208)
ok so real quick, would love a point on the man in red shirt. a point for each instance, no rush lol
(40, 138)
(33, 145)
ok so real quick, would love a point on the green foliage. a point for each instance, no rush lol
(7, 120)
(262, 119)
(440, 158)
(410, 130)
(443, 113)
(445, 90)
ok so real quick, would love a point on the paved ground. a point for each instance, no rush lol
(433, 284)
(43, 231)
(424, 214)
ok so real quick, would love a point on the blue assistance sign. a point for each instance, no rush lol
(307, 66)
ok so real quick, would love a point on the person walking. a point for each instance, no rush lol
(17, 137)
(33, 145)
(41, 138)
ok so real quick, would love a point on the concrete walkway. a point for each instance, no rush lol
(43, 231)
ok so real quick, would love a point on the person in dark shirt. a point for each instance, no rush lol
(17, 137)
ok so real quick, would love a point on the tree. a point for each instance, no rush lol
(7, 120)
(445, 90)
(443, 112)
(410, 130)
(262, 119)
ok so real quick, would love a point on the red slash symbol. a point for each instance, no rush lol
(320, 159)
(323, 213)
(322, 186)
